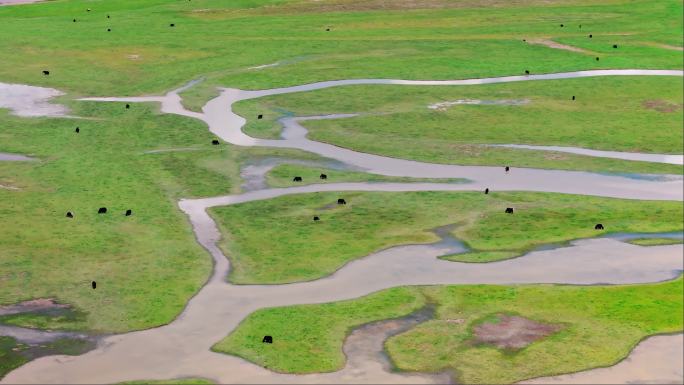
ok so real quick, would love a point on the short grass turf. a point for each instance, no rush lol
(276, 240)
(424, 39)
(632, 114)
(283, 175)
(147, 265)
(600, 326)
(177, 381)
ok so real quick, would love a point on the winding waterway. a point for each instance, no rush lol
(182, 348)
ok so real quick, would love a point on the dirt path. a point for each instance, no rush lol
(556, 45)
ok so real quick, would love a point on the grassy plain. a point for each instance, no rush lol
(276, 241)
(424, 39)
(633, 114)
(600, 325)
(147, 265)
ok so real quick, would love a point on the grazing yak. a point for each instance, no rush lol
(128, 105)
(509, 210)
(46, 72)
(341, 202)
(102, 210)
(267, 340)
(172, 25)
(614, 45)
(527, 72)
(260, 116)
(129, 212)
(323, 176)
(316, 219)
(215, 142)
(69, 214)
(297, 179)
(598, 226)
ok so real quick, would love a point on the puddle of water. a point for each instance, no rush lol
(254, 173)
(631, 236)
(30, 101)
(17, 2)
(14, 157)
(655, 158)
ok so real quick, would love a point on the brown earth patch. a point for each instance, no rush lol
(512, 332)
(34, 305)
(661, 105)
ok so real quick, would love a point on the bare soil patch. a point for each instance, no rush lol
(512, 332)
(556, 45)
(661, 105)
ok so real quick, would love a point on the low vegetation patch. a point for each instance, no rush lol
(276, 240)
(655, 241)
(282, 176)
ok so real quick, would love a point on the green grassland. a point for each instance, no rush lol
(600, 325)
(281, 176)
(609, 114)
(146, 265)
(435, 39)
(276, 241)
(655, 241)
